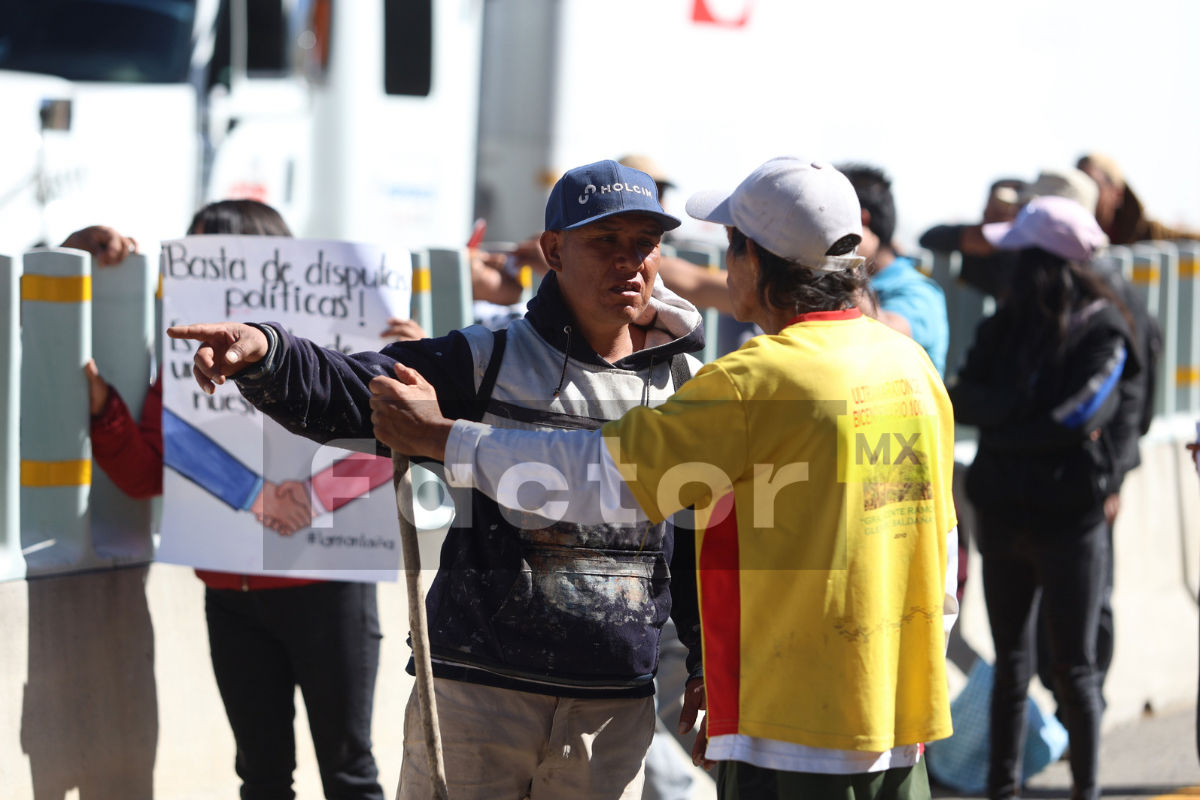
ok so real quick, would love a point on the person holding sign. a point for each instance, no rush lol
(267, 634)
(819, 458)
(544, 634)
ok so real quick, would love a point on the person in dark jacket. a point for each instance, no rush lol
(1119, 442)
(1040, 382)
(544, 635)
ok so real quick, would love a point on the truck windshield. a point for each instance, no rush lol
(133, 41)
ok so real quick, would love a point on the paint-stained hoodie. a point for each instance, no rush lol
(519, 601)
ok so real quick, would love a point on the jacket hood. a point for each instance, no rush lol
(677, 327)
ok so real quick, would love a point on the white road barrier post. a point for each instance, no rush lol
(422, 299)
(450, 283)
(12, 564)
(56, 464)
(1187, 368)
(123, 328)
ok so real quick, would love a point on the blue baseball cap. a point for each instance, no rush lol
(604, 189)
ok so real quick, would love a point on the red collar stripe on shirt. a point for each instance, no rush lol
(826, 316)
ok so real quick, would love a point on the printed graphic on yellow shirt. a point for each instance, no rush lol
(886, 451)
(899, 479)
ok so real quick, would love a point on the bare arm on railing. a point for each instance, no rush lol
(104, 243)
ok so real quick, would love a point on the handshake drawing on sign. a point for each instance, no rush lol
(284, 507)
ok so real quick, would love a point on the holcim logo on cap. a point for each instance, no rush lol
(589, 190)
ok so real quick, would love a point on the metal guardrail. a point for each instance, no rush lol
(450, 287)
(11, 563)
(124, 321)
(1187, 345)
(59, 513)
(422, 290)
(56, 465)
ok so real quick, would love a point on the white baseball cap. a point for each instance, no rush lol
(1058, 225)
(794, 207)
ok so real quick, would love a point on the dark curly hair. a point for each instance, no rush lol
(787, 284)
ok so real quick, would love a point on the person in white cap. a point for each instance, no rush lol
(1041, 382)
(819, 457)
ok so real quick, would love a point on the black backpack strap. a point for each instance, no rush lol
(484, 395)
(680, 371)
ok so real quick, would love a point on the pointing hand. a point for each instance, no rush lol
(226, 349)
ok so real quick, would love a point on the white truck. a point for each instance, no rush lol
(355, 118)
(405, 119)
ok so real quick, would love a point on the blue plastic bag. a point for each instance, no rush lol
(961, 762)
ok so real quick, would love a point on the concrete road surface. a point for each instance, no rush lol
(1152, 758)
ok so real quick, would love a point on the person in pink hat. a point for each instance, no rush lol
(1040, 382)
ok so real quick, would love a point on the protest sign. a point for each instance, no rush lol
(223, 458)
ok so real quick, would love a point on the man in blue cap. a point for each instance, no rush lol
(544, 634)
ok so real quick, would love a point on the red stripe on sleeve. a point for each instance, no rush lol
(721, 618)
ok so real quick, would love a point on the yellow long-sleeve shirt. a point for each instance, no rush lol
(829, 450)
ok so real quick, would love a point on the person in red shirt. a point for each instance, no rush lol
(267, 634)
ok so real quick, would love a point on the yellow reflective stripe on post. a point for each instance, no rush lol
(158, 291)
(1145, 273)
(56, 473)
(1187, 375)
(421, 280)
(1185, 793)
(50, 289)
(525, 276)
(1188, 266)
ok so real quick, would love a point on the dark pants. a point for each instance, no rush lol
(737, 780)
(324, 637)
(1105, 636)
(1065, 570)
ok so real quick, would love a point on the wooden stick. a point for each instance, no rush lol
(419, 627)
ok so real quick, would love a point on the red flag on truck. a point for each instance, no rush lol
(729, 13)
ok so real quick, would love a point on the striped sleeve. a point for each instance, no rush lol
(1076, 410)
